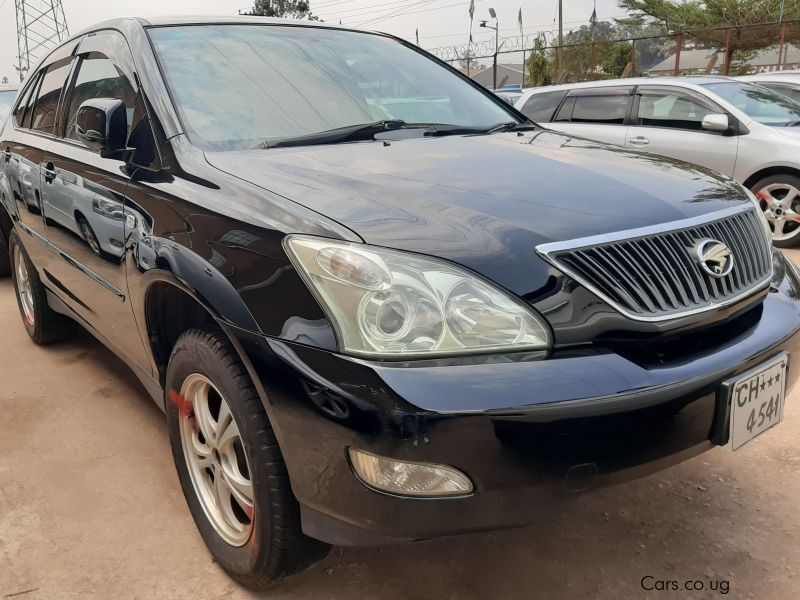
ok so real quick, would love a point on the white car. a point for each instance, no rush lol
(785, 82)
(8, 93)
(740, 129)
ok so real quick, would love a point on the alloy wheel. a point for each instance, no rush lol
(23, 282)
(215, 456)
(781, 205)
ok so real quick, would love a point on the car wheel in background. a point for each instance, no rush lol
(779, 196)
(89, 236)
(230, 466)
(43, 324)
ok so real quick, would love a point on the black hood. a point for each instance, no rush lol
(484, 201)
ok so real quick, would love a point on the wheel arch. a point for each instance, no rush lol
(768, 172)
(194, 294)
(6, 223)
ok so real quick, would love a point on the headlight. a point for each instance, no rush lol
(762, 217)
(390, 303)
(107, 208)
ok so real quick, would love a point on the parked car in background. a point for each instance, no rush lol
(784, 82)
(737, 128)
(366, 327)
(8, 94)
(510, 93)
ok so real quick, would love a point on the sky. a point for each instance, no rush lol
(440, 22)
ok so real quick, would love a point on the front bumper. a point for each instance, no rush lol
(528, 432)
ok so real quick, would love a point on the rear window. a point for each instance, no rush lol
(541, 107)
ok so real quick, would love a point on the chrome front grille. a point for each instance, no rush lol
(653, 273)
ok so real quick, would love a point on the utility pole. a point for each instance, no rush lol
(560, 38)
(496, 28)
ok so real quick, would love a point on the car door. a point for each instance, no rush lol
(85, 193)
(668, 121)
(24, 150)
(597, 113)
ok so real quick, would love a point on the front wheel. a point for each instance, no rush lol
(779, 197)
(230, 466)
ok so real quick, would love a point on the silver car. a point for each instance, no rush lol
(784, 82)
(741, 129)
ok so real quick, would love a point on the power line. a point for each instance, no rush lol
(360, 10)
(395, 13)
(414, 12)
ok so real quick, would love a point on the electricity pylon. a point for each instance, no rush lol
(41, 24)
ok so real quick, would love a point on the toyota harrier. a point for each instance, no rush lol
(374, 301)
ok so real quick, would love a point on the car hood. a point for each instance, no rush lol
(793, 133)
(484, 201)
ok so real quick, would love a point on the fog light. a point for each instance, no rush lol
(408, 478)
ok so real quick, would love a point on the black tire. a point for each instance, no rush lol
(89, 236)
(788, 180)
(276, 547)
(48, 327)
(5, 257)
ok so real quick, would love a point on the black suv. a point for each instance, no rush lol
(376, 303)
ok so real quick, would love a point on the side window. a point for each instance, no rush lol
(98, 77)
(565, 112)
(608, 110)
(43, 117)
(540, 107)
(25, 103)
(674, 109)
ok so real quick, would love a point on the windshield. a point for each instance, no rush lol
(759, 103)
(6, 102)
(236, 86)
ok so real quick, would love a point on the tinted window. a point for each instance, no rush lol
(6, 102)
(672, 109)
(600, 109)
(236, 86)
(786, 90)
(759, 103)
(565, 112)
(23, 108)
(540, 107)
(97, 77)
(44, 112)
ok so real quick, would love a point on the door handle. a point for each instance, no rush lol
(639, 140)
(48, 171)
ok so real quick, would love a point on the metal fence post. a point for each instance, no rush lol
(678, 48)
(726, 68)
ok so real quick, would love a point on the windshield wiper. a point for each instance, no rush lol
(511, 126)
(335, 136)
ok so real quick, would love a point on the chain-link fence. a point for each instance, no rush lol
(587, 55)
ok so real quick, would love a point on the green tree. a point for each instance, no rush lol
(705, 16)
(540, 66)
(290, 9)
(615, 58)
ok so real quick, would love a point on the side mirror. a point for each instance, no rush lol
(102, 124)
(717, 122)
